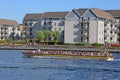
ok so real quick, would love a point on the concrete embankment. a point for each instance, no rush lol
(109, 49)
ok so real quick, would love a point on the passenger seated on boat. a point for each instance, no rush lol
(38, 51)
(33, 51)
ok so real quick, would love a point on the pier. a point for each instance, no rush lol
(77, 48)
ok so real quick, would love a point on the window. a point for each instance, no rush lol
(81, 32)
(110, 38)
(30, 29)
(105, 31)
(81, 24)
(111, 32)
(25, 24)
(111, 25)
(82, 18)
(49, 23)
(81, 39)
(59, 29)
(5, 28)
(88, 18)
(44, 23)
(30, 34)
(105, 24)
(61, 23)
(88, 24)
(105, 38)
(1, 38)
(55, 23)
(30, 23)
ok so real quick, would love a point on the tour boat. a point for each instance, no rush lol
(103, 55)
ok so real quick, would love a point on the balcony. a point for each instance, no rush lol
(84, 21)
(61, 23)
(13, 29)
(118, 25)
(85, 28)
(107, 35)
(84, 34)
(118, 31)
(47, 25)
(113, 36)
(48, 20)
(2, 35)
(106, 21)
(113, 29)
(106, 28)
(1, 28)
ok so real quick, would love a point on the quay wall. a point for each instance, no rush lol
(109, 49)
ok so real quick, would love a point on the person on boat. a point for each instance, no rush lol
(38, 51)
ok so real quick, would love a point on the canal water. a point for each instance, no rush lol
(14, 66)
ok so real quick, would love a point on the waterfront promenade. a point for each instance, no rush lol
(52, 47)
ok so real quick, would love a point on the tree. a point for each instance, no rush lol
(21, 35)
(47, 35)
(40, 36)
(56, 35)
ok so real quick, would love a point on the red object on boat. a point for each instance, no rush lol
(115, 45)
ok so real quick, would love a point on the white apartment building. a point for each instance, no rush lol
(116, 15)
(32, 23)
(90, 26)
(48, 21)
(9, 29)
(79, 25)
(54, 21)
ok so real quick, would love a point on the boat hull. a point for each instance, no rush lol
(67, 56)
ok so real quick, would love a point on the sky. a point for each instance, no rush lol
(16, 9)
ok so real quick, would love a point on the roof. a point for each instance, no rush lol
(115, 13)
(33, 16)
(54, 14)
(101, 13)
(8, 22)
(81, 11)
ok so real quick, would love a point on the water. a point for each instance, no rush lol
(14, 66)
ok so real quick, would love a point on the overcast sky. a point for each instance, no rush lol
(16, 9)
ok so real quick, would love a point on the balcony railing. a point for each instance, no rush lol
(112, 36)
(113, 29)
(106, 28)
(107, 35)
(47, 25)
(84, 34)
(106, 21)
(85, 28)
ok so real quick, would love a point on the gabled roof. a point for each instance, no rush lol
(81, 11)
(115, 13)
(101, 13)
(8, 22)
(54, 14)
(33, 16)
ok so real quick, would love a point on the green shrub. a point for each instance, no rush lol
(2, 41)
(81, 44)
(96, 44)
(20, 42)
